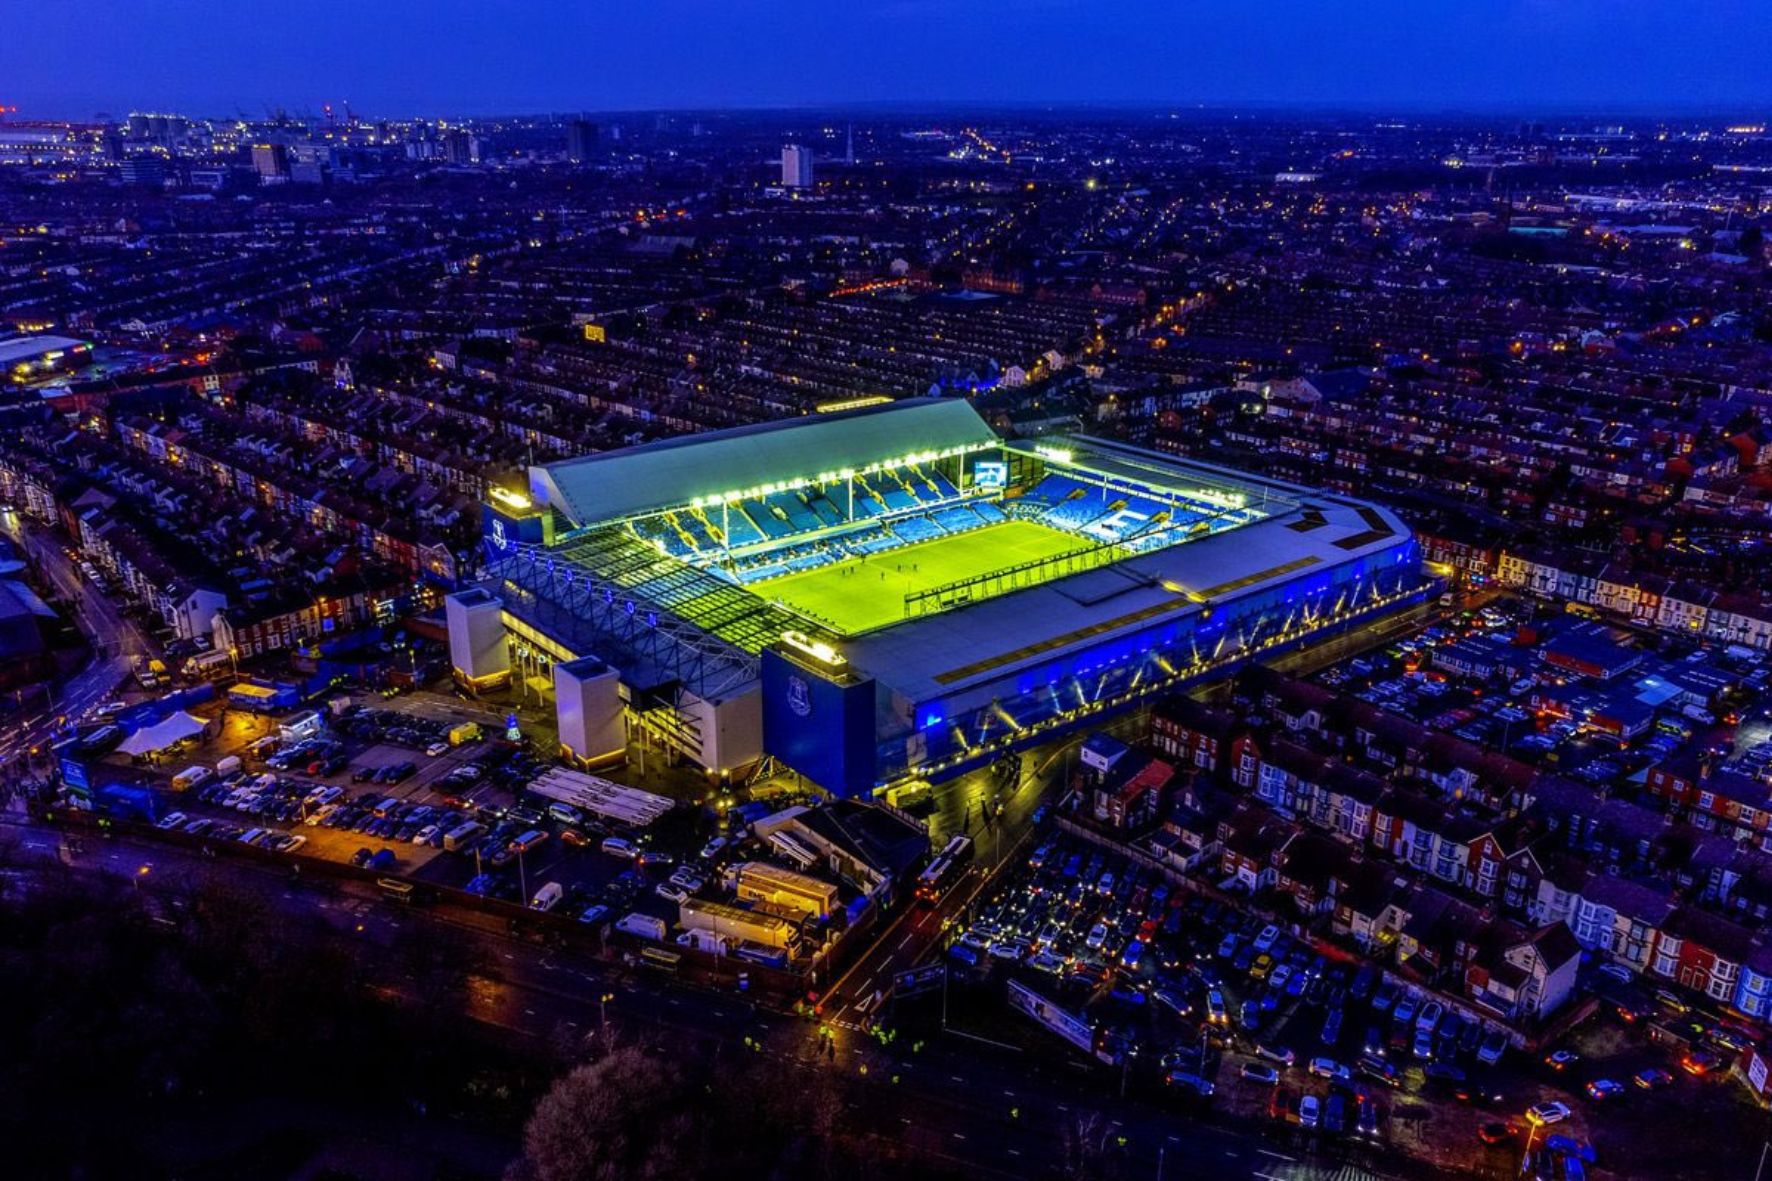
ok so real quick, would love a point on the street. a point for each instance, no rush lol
(115, 640)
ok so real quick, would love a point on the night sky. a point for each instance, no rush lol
(73, 58)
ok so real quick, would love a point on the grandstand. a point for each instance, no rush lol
(948, 591)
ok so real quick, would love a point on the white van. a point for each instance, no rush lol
(547, 897)
(191, 777)
(620, 847)
(646, 926)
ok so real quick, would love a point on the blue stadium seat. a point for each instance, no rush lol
(740, 529)
(799, 516)
(768, 521)
(826, 512)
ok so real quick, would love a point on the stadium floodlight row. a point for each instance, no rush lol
(897, 590)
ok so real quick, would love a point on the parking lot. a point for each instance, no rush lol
(1552, 717)
(387, 790)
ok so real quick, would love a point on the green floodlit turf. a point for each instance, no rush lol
(859, 595)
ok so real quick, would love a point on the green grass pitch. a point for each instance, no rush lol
(859, 595)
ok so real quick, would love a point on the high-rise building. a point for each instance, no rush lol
(270, 161)
(145, 171)
(581, 140)
(796, 167)
(459, 147)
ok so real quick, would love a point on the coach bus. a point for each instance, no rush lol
(940, 874)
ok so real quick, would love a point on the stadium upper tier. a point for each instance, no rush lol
(762, 461)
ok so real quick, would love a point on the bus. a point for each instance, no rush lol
(940, 874)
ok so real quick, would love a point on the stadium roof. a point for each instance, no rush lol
(634, 481)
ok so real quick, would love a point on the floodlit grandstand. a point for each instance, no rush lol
(975, 591)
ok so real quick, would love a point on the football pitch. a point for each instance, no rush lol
(861, 594)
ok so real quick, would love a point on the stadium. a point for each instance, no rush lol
(896, 590)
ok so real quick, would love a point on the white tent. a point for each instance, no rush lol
(172, 729)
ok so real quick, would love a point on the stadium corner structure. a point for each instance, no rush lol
(896, 590)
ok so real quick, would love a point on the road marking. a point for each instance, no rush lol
(1277, 1155)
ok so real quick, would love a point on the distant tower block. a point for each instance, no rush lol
(588, 709)
(477, 648)
(796, 167)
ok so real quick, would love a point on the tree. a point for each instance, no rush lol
(1752, 243)
(624, 1117)
(1088, 1149)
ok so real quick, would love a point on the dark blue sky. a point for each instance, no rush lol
(397, 57)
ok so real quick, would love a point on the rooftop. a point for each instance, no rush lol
(631, 481)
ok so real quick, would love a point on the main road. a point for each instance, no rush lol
(116, 643)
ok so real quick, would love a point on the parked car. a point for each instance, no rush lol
(1543, 1114)
(1256, 1072)
(1653, 1079)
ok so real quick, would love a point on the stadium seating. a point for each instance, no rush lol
(911, 529)
(694, 527)
(740, 529)
(768, 520)
(957, 519)
(989, 512)
(1078, 511)
(892, 491)
(803, 519)
(824, 510)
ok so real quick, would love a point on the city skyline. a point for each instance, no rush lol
(406, 59)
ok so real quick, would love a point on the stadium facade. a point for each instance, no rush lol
(897, 591)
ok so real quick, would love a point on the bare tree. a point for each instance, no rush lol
(1087, 1148)
(624, 1117)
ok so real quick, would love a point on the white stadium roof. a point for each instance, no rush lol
(633, 481)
